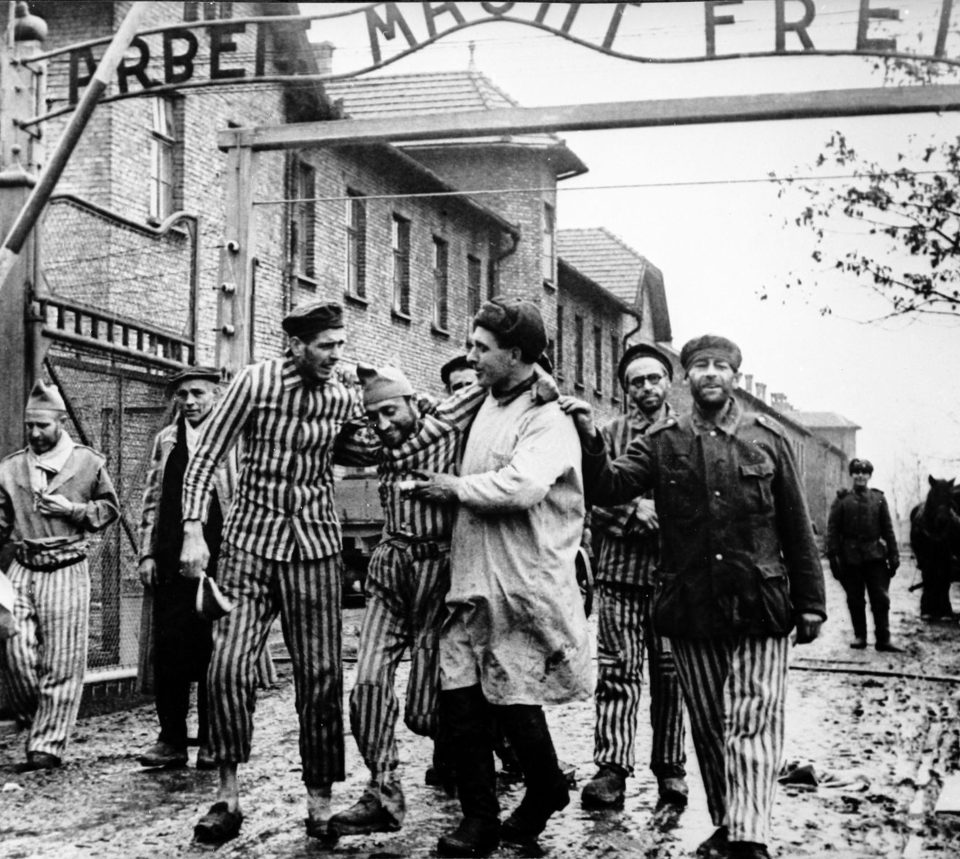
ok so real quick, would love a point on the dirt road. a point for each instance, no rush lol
(880, 742)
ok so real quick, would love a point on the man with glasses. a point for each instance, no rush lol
(739, 570)
(626, 574)
(863, 555)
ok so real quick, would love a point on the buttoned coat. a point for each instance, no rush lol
(738, 555)
(859, 528)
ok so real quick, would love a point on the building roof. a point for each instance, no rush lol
(609, 261)
(442, 92)
(823, 420)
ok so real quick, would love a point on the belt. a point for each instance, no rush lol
(46, 562)
(419, 550)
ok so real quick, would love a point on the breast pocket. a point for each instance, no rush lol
(678, 489)
(757, 485)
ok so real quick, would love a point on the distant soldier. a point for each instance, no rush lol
(863, 555)
(182, 639)
(52, 494)
(626, 576)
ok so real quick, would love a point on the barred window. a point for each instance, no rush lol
(303, 219)
(473, 284)
(440, 282)
(356, 226)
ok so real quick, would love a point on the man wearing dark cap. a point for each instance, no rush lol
(626, 574)
(513, 605)
(280, 555)
(863, 555)
(52, 494)
(181, 639)
(739, 571)
(457, 373)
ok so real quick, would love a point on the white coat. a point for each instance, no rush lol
(515, 621)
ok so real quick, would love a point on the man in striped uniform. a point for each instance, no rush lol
(280, 555)
(407, 581)
(52, 493)
(739, 570)
(626, 574)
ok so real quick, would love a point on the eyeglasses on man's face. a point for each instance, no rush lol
(651, 379)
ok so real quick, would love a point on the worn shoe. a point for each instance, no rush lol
(366, 815)
(887, 647)
(163, 754)
(858, 643)
(716, 846)
(38, 761)
(218, 825)
(472, 838)
(206, 759)
(671, 803)
(605, 789)
(747, 850)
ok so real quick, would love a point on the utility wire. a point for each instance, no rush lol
(692, 183)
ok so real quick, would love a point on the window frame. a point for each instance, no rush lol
(164, 175)
(400, 236)
(355, 225)
(441, 284)
(303, 220)
(598, 360)
(549, 247)
(578, 367)
(474, 285)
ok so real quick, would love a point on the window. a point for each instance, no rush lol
(356, 221)
(549, 244)
(578, 350)
(440, 280)
(213, 11)
(473, 285)
(303, 219)
(614, 365)
(598, 359)
(401, 265)
(558, 361)
(163, 163)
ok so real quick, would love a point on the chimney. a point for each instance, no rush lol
(748, 383)
(779, 402)
(762, 391)
(323, 52)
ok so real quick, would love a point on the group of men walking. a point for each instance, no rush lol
(706, 564)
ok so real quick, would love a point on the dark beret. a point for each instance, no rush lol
(860, 465)
(642, 350)
(211, 374)
(515, 323)
(451, 367)
(308, 319)
(711, 346)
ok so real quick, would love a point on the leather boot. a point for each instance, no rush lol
(547, 790)
(465, 733)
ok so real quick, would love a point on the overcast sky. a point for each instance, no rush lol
(722, 244)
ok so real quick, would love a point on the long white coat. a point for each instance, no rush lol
(515, 620)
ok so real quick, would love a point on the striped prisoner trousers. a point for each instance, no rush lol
(625, 634)
(405, 607)
(43, 665)
(306, 594)
(735, 690)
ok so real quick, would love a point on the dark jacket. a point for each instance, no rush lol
(738, 555)
(859, 528)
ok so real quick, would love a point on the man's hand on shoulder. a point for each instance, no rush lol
(582, 414)
(545, 388)
(808, 627)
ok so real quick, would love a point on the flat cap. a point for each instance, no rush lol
(516, 323)
(711, 346)
(860, 465)
(382, 383)
(460, 362)
(642, 350)
(308, 319)
(45, 398)
(210, 374)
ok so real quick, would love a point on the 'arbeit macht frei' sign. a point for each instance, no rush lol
(641, 32)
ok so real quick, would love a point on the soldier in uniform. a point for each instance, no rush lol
(52, 494)
(863, 555)
(626, 574)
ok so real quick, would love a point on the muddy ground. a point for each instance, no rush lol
(880, 730)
